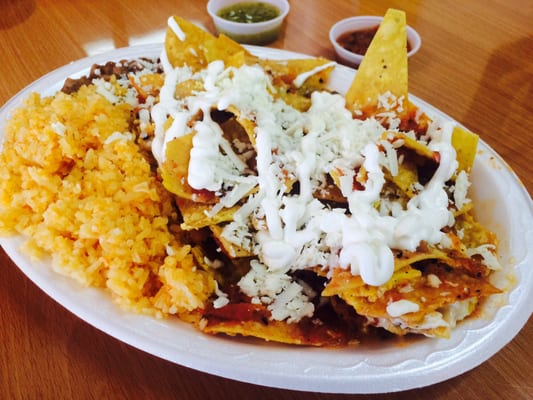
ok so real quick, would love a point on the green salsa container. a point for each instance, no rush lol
(249, 22)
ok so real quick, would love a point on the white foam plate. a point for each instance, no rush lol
(503, 205)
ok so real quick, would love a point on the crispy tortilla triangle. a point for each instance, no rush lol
(384, 67)
(175, 169)
(406, 178)
(285, 75)
(465, 144)
(225, 49)
(185, 44)
(411, 143)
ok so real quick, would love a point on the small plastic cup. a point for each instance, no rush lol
(255, 33)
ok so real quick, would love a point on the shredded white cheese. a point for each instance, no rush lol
(460, 190)
(487, 251)
(401, 307)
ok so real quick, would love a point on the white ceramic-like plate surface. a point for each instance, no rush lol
(503, 204)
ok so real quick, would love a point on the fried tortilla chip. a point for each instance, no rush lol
(247, 319)
(406, 178)
(384, 67)
(465, 144)
(197, 215)
(175, 169)
(296, 79)
(225, 49)
(432, 292)
(185, 44)
(229, 248)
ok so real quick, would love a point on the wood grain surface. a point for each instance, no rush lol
(475, 64)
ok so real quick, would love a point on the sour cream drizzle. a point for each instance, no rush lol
(300, 79)
(176, 29)
(297, 231)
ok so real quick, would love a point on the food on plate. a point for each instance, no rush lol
(242, 195)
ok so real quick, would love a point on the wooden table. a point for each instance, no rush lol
(475, 64)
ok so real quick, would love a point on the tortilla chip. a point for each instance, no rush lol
(247, 319)
(175, 168)
(225, 49)
(186, 47)
(174, 171)
(384, 67)
(419, 148)
(286, 72)
(434, 290)
(229, 248)
(197, 215)
(465, 144)
(188, 88)
(406, 178)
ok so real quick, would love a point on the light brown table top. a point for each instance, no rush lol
(475, 64)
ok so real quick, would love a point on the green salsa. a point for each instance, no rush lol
(249, 12)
